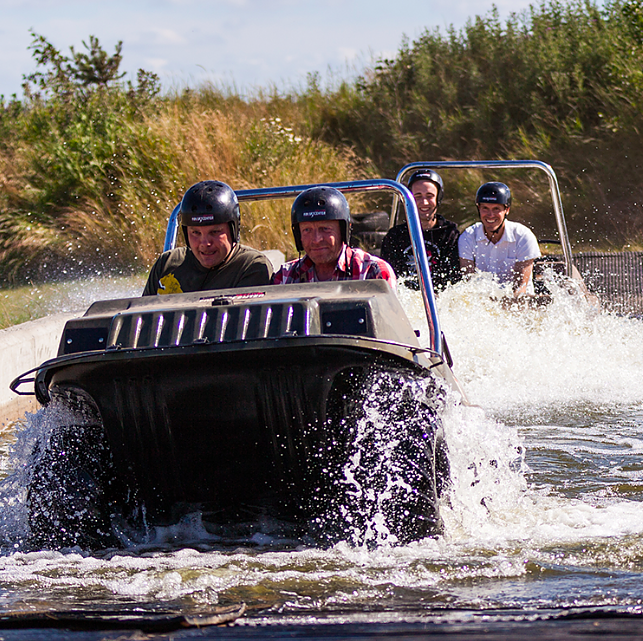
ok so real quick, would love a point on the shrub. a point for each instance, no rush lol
(93, 166)
(561, 82)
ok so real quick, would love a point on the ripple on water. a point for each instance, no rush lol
(544, 509)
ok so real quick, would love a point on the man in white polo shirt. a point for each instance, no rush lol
(498, 245)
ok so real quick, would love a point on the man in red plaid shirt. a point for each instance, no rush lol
(321, 224)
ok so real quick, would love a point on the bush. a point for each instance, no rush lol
(561, 82)
(92, 166)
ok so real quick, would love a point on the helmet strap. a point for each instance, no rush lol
(500, 226)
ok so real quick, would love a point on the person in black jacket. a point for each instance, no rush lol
(440, 236)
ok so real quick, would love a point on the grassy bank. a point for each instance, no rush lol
(90, 187)
(90, 167)
(561, 82)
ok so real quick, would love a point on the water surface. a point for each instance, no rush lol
(544, 514)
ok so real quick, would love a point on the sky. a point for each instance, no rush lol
(241, 43)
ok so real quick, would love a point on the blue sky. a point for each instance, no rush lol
(248, 43)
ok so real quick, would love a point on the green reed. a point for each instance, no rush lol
(92, 166)
(93, 170)
(560, 82)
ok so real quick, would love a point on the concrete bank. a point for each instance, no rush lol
(23, 347)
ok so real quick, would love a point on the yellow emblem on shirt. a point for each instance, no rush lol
(169, 285)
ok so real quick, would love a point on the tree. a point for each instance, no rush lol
(60, 74)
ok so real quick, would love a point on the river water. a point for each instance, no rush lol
(544, 515)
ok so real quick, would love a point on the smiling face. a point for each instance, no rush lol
(322, 241)
(425, 193)
(210, 244)
(492, 216)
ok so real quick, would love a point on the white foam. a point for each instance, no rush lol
(566, 353)
(583, 367)
(564, 359)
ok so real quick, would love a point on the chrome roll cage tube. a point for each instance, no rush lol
(407, 170)
(402, 194)
(172, 229)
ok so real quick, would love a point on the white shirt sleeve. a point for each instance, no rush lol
(466, 243)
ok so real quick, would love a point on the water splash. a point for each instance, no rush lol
(524, 363)
(387, 492)
(32, 436)
(46, 299)
(569, 364)
(544, 508)
(45, 473)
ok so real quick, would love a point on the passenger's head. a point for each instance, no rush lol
(427, 188)
(321, 223)
(493, 193)
(493, 201)
(210, 220)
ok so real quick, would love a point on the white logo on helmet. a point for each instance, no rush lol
(313, 214)
(201, 219)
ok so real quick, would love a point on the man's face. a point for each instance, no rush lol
(211, 244)
(322, 240)
(425, 193)
(492, 215)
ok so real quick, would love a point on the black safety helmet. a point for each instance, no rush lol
(210, 202)
(320, 203)
(494, 193)
(431, 176)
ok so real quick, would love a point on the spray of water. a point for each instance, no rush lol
(564, 367)
(543, 382)
(396, 464)
(75, 295)
(557, 358)
(32, 439)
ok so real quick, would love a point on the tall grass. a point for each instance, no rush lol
(90, 169)
(91, 179)
(561, 82)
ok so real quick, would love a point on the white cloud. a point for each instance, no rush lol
(347, 53)
(163, 36)
(155, 64)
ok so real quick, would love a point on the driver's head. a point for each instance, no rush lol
(211, 202)
(210, 220)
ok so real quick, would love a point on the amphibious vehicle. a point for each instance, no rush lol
(310, 410)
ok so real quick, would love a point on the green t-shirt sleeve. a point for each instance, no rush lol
(151, 285)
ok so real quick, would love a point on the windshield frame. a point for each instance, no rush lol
(405, 173)
(403, 196)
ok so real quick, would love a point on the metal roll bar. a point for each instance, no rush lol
(172, 229)
(407, 170)
(402, 194)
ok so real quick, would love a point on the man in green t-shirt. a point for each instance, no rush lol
(213, 257)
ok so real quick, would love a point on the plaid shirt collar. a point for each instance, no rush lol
(344, 260)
